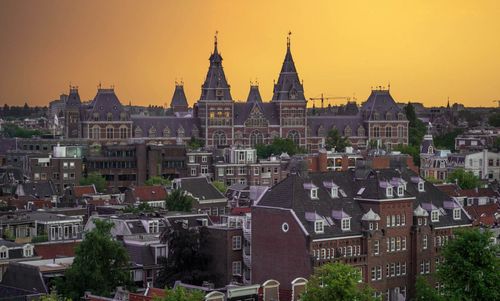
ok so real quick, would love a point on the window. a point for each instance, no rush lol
(425, 242)
(388, 221)
(4, 252)
(393, 220)
(393, 244)
(319, 227)
(403, 269)
(204, 169)
(457, 213)
(435, 216)
(401, 190)
(398, 243)
(335, 192)
(204, 159)
(314, 193)
(236, 242)
(403, 243)
(154, 227)
(376, 273)
(349, 251)
(376, 247)
(388, 191)
(237, 268)
(403, 220)
(398, 220)
(123, 132)
(28, 251)
(193, 171)
(109, 133)
(346, 224)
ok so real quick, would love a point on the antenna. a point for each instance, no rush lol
(288, 39)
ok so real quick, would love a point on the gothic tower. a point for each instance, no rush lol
(72, 125)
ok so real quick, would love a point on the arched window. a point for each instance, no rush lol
(388, 131)
(180, 132)
(401, 116)
(138, 132)
(123, 116)
(256, 138)
(401, 131)
(109, 116)
(123, 132)
(96, 132)
(109, 132)
(294, 136)
(376, 116)
(361, 131)
(321, 131)
(152, 132)
(388, 116)
(166, 132)
(220, 138)
(347, 131)
(376, 131)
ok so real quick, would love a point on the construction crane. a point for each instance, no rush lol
(322, 98)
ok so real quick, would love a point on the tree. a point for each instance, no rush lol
(178, 200)
(494, 119)
(157, 180)
(447, 141)
(425, 292)
(188, 258)
(466, 180)
(416, 128)
(410, 150)
(181, 294)
(336, 282)
(142, 207)
(95, 178)
(278, 146)
(100, 265)
(471, 266)
(335, 140)
(220, 186)
(195, 143)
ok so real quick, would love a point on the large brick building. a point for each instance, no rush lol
(388, 223)
(220, 121)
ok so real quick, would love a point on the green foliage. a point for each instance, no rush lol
(278, 146)
(410, 150)
(416, 128)
(195, 143)
(12, 130)
(471, 267)
(425, 292)
(181, 294)
(336, 282)
(447, 141)
(142, 207)
(496, 144)
(465, 179)
(53, 297)
(220, 186)
(494, 119)
(433, 180)
(178, 200)
(95, 178)
(335, 140)
(40, 238)
(188, 258)
(8, 234)
(100, 265)
(157, 180)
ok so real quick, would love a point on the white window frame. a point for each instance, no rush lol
(457, 214)
(425, 242)
(435, 216)
(421, 186)
(236, 243)
(236, 268)
(314, 193)
(346, 224)
(319, 226)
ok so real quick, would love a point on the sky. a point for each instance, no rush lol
(427, 50)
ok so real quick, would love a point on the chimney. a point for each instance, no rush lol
(322, 161)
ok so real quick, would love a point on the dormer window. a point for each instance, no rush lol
(388, 192)
(401, 190)
(421, 186)
(28, 251)
(319, 227)
(457, 213)
(314, 193)
(346, 224)
(334, 192)
(4, 252)
(435, 216)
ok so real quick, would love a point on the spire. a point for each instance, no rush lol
(254, 94)
(288, 86)
(179, 100)
(215, 86)
(73, 97)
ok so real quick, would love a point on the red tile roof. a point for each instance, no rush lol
(148, 295)
(53, 250)
(484, 214)
(149, 193)
(480, 192)
(450, 189)
(79, 191)
(101, 202)
(240, 210)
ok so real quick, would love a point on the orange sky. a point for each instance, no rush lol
(428, 49)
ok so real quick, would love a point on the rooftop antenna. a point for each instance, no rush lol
(288, 39)
(215, 38)
(99, 86)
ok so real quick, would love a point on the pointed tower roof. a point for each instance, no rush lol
(215, 86)
(288, 86)
(254, 94)
(73, 97)
(427, 146)
(179, 98)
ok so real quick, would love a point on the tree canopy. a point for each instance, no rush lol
(336, 282)
(410, 150)
(195, 143)
(94, 178)
(181, 294)
(220, 186)
(178, 200)
(157, 180)
(188, 259)
(335, 140)
(425, 292)
(447, 141)
(465, 179)
(278, 146)
(12, 130)
(471, 266)
(100, 265)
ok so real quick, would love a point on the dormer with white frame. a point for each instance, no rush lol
(344, 218)
(420, 183)
(400, 186)
(333, 188)
(433, 211)
(388, 188)
(319, 223)
(455, 207)
(313, 190)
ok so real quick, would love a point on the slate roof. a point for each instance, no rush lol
(288, 86)
(353, 186)
(382, 102)
(254, 94)
(24, 277)
(73, 98)
(105, 102)
(216, 79)
(36, 189)
(200, 188)
(179, 97)
(242, 111)
(188, 124)
(7, 144)
(140, 254)
(338, 122)
(427, 142)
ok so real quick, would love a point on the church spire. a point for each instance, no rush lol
(288, 86)
(215, 86)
